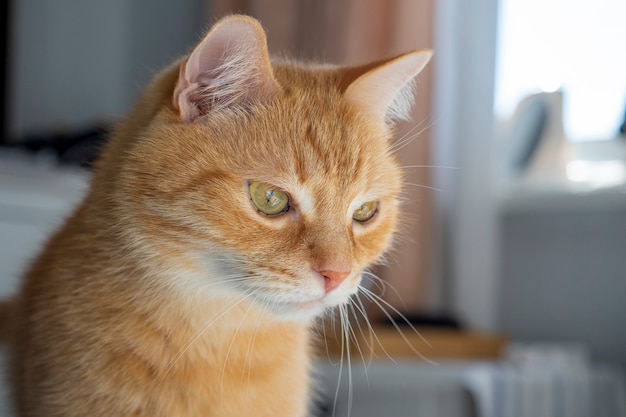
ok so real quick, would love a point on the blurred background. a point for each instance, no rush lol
(511, 261)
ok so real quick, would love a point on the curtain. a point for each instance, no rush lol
(355, 32)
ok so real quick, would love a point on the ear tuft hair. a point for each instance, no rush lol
(229, 68)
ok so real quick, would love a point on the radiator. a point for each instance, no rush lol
(470, 389)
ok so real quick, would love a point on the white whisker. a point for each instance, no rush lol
(375, 299)
(429, 166)
(356, 341)
(368, 341)
(428, 187)
(250, 353)
(346, 333)
(340, 370)
(373, 334)
(410, 135)
(326, 345)
(373, 278)
(379, 283)
(230, 346)
(202, 331)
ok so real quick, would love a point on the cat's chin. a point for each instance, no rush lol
(297, 311)
(303, 312)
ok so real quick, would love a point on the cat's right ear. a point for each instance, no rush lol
(383, 90)
(229, 68)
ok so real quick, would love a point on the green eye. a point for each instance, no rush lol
(268, 199)
(365, 212)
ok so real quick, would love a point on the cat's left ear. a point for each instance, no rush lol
(384, 89)
(229, 68)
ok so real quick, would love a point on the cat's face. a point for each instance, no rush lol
(284, 200)
(286, 204)
(312, 202)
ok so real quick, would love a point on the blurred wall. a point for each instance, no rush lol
(463, 139)
(562, 273)
(76, 63)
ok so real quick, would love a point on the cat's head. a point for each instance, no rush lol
(269, 180)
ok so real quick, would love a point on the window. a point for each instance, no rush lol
(576, 46)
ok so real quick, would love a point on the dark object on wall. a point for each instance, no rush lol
(430, 320)
(527, 131)
(77, 148)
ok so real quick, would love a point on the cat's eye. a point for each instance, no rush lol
(268, 199)
(365, 212)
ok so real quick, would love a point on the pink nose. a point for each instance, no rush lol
(332, 279)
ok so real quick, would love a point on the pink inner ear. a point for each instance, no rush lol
(211, 52)
(230, 67)
(381, 91)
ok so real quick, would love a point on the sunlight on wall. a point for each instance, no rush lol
(597, 173)
(574, 45)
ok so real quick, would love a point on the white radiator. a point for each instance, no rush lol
(411, 389)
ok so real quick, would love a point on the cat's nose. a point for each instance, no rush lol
(332, 278)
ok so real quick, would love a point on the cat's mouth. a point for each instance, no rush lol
(303, 301)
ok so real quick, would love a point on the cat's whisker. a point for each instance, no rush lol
(324, 335)
(366, 365)
(202, 331)
(375, 299)
(429, 166)
(396, 311)
(354, 308)
(336, 321)
(250, 352)
(341, 359)
(410, 135)
(377, 282)
(194, 339)
(372, 332)
(416, 131)
(351, 333)
(223, 280)
(428, 187)
(400, 144)
(230, 346)
(345, 342)
(374, 278)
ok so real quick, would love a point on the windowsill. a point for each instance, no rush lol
(585, 175)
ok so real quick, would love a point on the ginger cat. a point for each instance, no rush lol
(240, 199)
